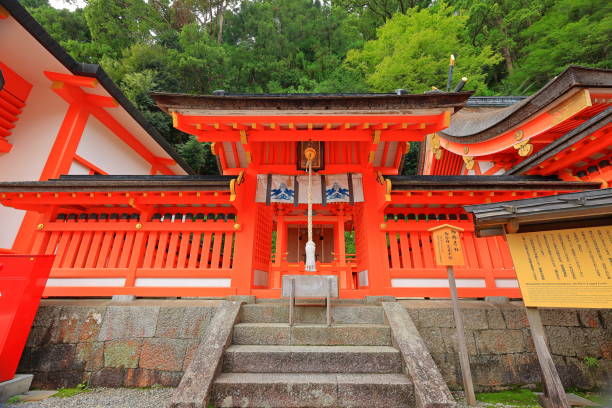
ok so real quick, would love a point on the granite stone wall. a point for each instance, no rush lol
(109, 344)
(147, 342)
(501, 350)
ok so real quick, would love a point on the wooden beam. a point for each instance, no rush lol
(69, 79)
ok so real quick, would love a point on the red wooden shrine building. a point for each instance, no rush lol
(148, 234)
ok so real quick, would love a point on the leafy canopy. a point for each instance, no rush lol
(411, 51)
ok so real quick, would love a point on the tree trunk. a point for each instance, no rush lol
(220, 33)
(508, 58)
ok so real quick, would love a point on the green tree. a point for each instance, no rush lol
(199, 156)
(499, 23)
(571, 32)
(120, 23)
(411, 51)
(286, 45)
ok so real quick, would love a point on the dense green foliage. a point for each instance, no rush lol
(275, 46)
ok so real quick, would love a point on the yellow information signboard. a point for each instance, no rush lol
(447, 245)
(564, 268)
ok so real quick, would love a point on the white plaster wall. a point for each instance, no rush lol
(10, 221)
(33, 136)
(107, 151)
(78, 169)
(32, 139)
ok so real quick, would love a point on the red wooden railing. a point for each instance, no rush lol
(488, 270)
(109, 254)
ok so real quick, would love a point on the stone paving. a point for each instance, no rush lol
(155, 397)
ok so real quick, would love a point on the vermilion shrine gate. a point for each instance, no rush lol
(240, 232)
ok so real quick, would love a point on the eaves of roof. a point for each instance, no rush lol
(89, 70)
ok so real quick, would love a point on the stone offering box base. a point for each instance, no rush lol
(146, 342)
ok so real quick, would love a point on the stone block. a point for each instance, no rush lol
(122, 353)
(379, 299)
(449, 337)
(46, 315)
(474, 319)
(495, 319)
(354, 334)
(183, 322)
(497, 299)
(163, 354)
(589, 318)
(575, 373)
(312, 359)
(265, 313)
(448, 365)
(606, 318)
(73, 324)
(381, 391)
(589, 342)
(141, 377)
(436, 318)
(123, 298)
(54, 357)
(261, 333)
(91, 324)
(493, 372)
(515, 317)
(528, 340)
(500, 341)
(89, 356)
(528, 368)
(560, 341)
(65, 328)
(275, 390)
(248, 299)
(20, 384)
(38, 336)
(559, 317)
(433, 338)
(192, 347)
(122, 322)
(111, 377)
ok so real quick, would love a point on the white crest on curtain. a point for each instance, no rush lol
(282, 189)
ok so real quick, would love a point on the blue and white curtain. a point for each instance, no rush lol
(330, 188)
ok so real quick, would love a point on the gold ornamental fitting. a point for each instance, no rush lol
(236, 226)
(310, 153)
(383, 225)
(138, 226)
(40, 226)
(518, 135)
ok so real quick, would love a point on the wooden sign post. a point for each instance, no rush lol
(447, 247)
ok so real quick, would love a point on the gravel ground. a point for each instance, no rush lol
(147, 398)
(106, 397)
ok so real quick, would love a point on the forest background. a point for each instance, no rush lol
(504, 47)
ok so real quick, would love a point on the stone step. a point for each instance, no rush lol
(312, 390)
(312, 334)
(341, 314)
(312, 359)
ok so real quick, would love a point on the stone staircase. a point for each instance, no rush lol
(350, 364)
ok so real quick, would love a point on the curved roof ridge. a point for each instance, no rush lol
(474, 127)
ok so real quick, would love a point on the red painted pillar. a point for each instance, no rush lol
(243, 266)
(373, 212)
